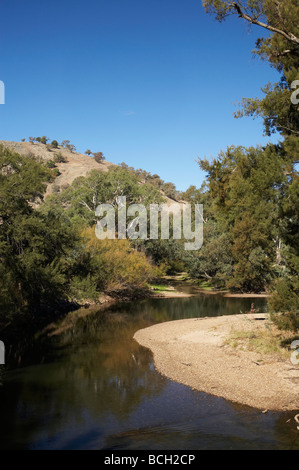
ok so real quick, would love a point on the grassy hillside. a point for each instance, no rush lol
(76, 164)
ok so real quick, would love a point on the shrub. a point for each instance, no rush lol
(284, 305)
(50, 164)
(99, 157)
(71, 147)
(59, 158)
(44, 139)
(116, 265)
(56, 172)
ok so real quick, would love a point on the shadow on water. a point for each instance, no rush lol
(94, 387)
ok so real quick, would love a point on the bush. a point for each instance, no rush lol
(99, 157)
(56, 172)
(284, 305)
(288, 321)
(44, 139)
(116, 266)
(71, 147)
(50, 164)
(170, 190)
(59, 158)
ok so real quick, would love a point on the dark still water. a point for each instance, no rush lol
(94, 387)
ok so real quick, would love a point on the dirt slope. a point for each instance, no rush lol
(77, 164)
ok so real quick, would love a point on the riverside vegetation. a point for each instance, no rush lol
(50, 256)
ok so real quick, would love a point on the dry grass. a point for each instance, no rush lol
(262, 337)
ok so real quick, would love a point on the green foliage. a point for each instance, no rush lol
(59, 158)
(284, 304)
(55, 172)
(170, 191)
(45, 257)
(246, 186)
(280, 49)
(44, 139)
(71, 147)
(41, 140)
(50, 164)
(99, 157)
(279, 114)
(285, 290)
(115, 265)
(33, 245)
(192, 195)
(86, 193)
(84, 288)
(214, 260)
(168, 254)
(256, 199)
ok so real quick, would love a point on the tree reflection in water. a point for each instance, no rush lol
(93, 386)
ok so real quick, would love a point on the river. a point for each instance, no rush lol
(94, 387)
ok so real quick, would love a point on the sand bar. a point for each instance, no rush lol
(194, 352)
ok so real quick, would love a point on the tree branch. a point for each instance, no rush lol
(85, 205)
(287, 128)
(289, 36)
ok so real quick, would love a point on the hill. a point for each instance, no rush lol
(76, 164)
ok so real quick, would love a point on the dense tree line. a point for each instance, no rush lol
(48, 249)
(255, 191)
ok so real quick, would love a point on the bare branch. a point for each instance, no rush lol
(287, 128)
(289, 36)
(83, 203)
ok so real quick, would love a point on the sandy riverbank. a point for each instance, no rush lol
(170, 294)
(195, 352)
(171, 291)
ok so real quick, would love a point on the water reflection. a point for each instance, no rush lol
(94, 387)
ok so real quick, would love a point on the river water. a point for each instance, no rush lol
(94, 387)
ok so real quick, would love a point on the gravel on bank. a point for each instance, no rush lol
(195, 352)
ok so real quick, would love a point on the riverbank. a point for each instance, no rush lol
(173, 288)
(204, 288)
(215, 355)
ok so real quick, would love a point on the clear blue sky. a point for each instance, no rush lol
(153, 83)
